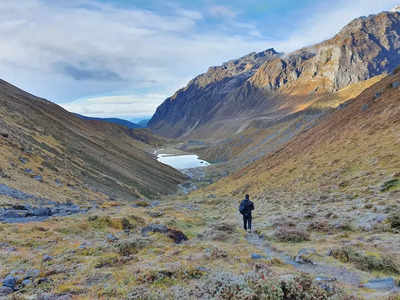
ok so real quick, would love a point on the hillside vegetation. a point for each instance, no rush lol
(56, 154)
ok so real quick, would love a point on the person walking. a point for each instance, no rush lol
(245, 208)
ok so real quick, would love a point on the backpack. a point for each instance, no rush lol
(242, 207)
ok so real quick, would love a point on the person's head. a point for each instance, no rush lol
(247, 197)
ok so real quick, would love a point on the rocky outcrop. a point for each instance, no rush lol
(197, 102)
(274, 85)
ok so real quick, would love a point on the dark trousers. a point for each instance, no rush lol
(247, 222)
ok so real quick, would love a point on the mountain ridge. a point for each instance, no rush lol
(91, 156)
(122, 122)
(208, 105)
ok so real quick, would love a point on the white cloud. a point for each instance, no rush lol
(80, 48)
(222, 11)
(327, 20)
(116, 106)
(70, 52)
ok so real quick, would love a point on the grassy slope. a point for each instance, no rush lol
(91, 155)
(88, 266)
(358, 144)
(262, 136)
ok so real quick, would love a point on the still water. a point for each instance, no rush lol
(182, 161)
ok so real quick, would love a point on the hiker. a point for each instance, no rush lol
(245, 208)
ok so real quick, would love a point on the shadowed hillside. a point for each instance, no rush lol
(49, 150)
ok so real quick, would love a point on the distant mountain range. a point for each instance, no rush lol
(143, 123)
(270, 86)
(118, 121)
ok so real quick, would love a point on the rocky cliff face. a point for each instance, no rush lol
(366, 47)
(275, 85)
(199, 100)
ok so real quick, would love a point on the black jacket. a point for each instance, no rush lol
(248, 206)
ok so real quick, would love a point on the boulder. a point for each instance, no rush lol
(381, 284)
(38, 178)
(44, 296)
(304, 256)
(13, 213)
(3, 174)
(28, 171)
(155, 214)
(154, 228)
(177, 236)
(257, 256)
(5, 291)
(32, 274)
(111, 238)
(42, 212)
(20, 207)
(10, 282)
(47, 257)
(24, 160)
(27, 282)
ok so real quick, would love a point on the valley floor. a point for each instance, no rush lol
(303, 245)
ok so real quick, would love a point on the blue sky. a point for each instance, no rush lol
(122, 58)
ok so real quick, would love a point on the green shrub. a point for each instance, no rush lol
(106, 261)
(142, 204)
(394, 220)
(294, 235)
(366, 261)
(390, 185)
(131, 246)
(103, 222)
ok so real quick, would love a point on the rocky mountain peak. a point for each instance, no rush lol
(245, 66)
(366, 47)
(396, 8)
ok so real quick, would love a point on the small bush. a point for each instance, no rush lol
(368, 206)
(320, 226)
(390, 185)
(302, 287)
(142, 292)
(260, 285)
(103, 222)
(294, 235)
(142, 204)
(170, 276)
(121, 224)
(366, 261)
(131, 246)
(215, 253)
(394, 220)
(99, 222)
(106, 261)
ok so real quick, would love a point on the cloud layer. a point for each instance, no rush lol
(86, 48)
